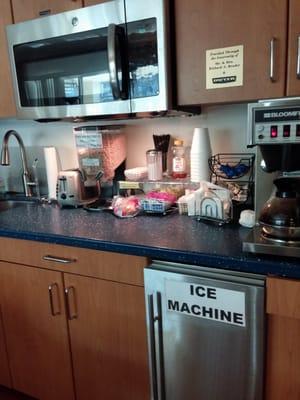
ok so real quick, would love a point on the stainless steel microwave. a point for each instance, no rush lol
(102, 60)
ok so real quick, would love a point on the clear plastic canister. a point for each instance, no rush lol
(154, 165)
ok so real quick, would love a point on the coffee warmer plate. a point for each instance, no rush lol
(256, 242)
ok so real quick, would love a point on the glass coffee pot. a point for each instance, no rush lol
(280, 216)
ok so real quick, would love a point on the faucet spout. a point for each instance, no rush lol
(6, 161)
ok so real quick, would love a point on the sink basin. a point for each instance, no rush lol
(17, 197)
(12, 200)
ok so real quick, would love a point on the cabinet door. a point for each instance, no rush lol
(108, 339)
(293, 77)
(203, 25)
(36, 331)
(30, 9)
(283, 344)
(7, 105)
(4, 368)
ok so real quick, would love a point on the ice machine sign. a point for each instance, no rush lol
(209, 302)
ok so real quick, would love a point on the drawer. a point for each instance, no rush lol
(283, 297)
(98, 264)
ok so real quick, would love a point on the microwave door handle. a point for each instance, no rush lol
(112, 61)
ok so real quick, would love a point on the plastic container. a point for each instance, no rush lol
(178, 161)
(100, 148)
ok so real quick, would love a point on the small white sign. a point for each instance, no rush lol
(89, 140)
(200, 301)
(224, 67)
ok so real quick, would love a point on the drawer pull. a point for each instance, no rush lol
(71, 298)
(42, 13)
(54, 288)
(61, 260)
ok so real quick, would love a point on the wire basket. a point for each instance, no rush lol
(231, 165)
(235, 172)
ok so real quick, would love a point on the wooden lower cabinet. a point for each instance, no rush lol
(37, 341)
(283, 339)
(5, 379)
(75, 329)
(108, 339)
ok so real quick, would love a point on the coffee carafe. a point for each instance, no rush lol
(280, 216)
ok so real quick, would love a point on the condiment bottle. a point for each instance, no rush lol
(154, 165)
(178, 161)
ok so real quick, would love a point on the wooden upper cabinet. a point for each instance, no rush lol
(24, 10)
(203, 25)
(293, 77)
(7, 105)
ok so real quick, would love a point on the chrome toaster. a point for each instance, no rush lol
(70, 189)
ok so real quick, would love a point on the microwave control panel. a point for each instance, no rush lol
(273, 125)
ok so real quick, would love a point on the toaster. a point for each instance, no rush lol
(70, 189)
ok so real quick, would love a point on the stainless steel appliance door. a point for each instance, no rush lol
(147, 30)
(206, 335)
(70, 64)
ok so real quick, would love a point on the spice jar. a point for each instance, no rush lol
(154, 164)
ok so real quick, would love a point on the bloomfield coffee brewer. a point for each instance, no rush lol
(274, 127)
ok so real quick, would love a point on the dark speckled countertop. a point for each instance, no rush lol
(173, 237)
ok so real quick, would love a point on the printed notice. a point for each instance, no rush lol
(209, 302)
(224, 67)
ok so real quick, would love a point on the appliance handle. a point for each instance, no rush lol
(298, 58)
(257, 303)
(160, 347)
(152, 320)
(116, 34)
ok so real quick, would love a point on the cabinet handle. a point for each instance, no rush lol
(42, 13)
(298, 59)
(51, 288)
(61, 260)
(71, 295)
(272, 59)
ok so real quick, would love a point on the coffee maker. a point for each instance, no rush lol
(274, 128)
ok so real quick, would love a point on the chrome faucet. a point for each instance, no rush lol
(5, 160)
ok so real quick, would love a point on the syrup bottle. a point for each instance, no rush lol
(178, 160)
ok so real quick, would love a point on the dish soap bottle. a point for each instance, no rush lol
(178, 161)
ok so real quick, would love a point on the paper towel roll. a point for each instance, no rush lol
(52, 168)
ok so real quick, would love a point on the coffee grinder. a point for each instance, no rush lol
(274, 127)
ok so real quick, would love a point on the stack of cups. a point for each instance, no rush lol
(200, 153)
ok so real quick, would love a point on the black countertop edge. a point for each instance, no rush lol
(259, 266)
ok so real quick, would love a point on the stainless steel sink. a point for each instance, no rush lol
(11, 200)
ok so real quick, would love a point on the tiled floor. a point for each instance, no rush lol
(6, 394)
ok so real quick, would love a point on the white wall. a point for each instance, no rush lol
(227, 127)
